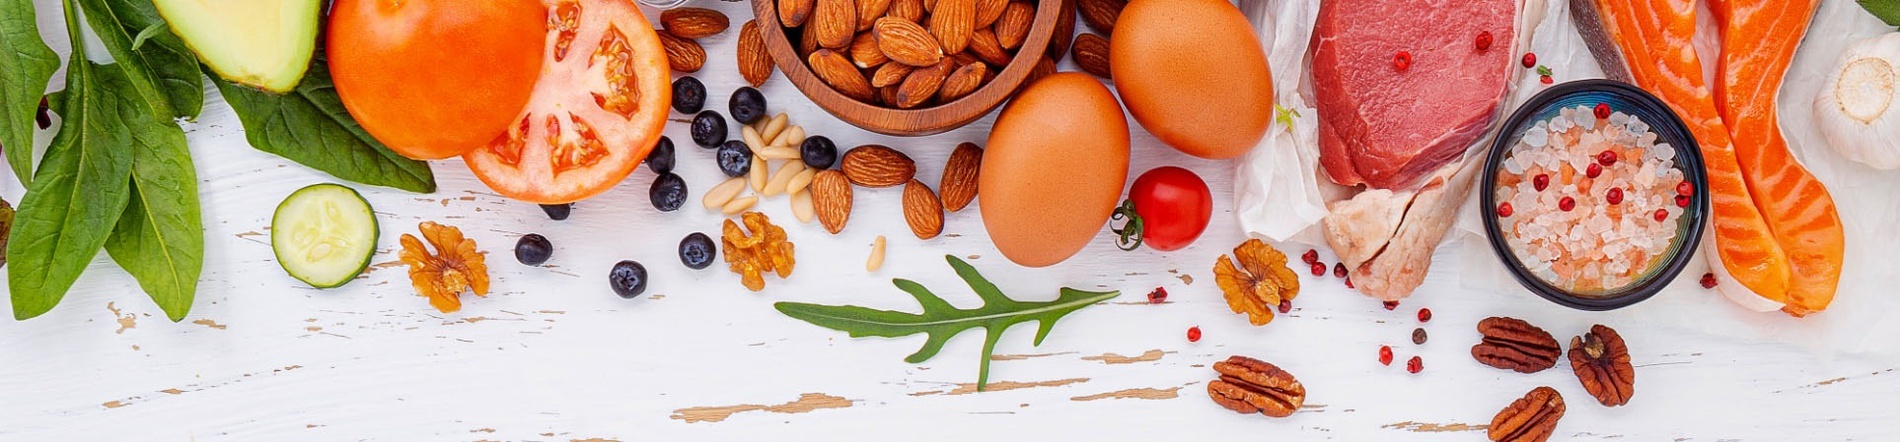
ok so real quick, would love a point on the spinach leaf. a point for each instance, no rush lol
(1887, 10)
(309, 125)
(160, 238)
(26, 64)
(81, 189)
(940, 321)
(163, 71)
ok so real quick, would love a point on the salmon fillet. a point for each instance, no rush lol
(1759, 38)
(1654, 41)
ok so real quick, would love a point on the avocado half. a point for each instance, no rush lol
(266, 44)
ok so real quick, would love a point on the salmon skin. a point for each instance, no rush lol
(1653, 39)
(1759, 38)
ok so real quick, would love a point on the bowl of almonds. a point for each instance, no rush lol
(911, 67)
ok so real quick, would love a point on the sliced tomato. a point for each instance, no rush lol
(597, 109)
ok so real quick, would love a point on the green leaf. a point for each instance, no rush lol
(310, 126)
(163, 71)
(1887, 10)
(26, 65)
(81, 189)
(160, 238)
(941, 321)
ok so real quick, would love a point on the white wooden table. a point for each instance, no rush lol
(552, 354)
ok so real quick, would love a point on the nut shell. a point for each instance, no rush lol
(1512, 344)
(873, 165)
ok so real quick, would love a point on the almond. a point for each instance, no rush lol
(923, 83)
(1065, 32)
(869, 11)
(1100, 15)
(987, 11)
(841, 74)
(682, 54)
(962, 82)
(909, 10)
(889, 74)
(755, 64)
(1012, 28)
(807, 41)
(834, 22)
(873, 165)
(952, 21)
(794, 12)
(906, 42)
(922, 210)
(694, 23)
(831, 200)
(983, 43)
(958, 187)
(888, 94)
(1091, 54)
(1044, 67)
(865, 53)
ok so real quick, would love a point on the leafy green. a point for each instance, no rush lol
(1887, 10)
(941, 321)
(81, 189)
(310, 126)
(160, 238)
(163, 71)
(26, 65)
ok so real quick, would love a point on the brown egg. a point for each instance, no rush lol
(1054, 169)
(1193, 73)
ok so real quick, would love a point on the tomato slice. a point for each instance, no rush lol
(598, 107)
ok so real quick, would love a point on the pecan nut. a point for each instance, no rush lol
(1249, 385)
(1512, 344)
(1531, 418)
(1602, 362)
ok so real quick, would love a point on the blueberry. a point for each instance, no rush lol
(533, 249)
(660, 159)
(709, 129)
(689, 95)
(668, 192)
(747, 105)
(735, 159)
(628, 278)
(557, 212)
(818, 152)
(697, 251)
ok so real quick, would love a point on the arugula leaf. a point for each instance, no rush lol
(941, 321)
(26, 65)
(81, 189)
(160, 237)
(310, 126)
(1887, 10)
(163, 71)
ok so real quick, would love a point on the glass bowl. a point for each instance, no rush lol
(1669, 129)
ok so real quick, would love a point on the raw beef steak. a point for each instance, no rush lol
(1402, 86)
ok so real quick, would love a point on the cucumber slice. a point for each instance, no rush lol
(324, 235)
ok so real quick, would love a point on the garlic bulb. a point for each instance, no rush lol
(1859, 108)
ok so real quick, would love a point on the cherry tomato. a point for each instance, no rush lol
(432, 79)
(597, 109)
(1171, 207)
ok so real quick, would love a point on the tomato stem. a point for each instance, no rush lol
(1129, 233)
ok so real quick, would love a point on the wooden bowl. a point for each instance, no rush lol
(909, 122)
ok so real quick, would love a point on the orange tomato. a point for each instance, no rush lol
(432, 79)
